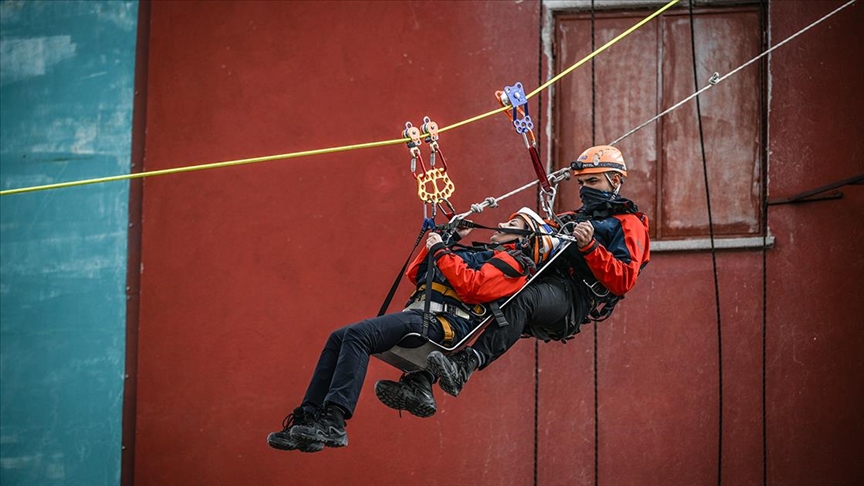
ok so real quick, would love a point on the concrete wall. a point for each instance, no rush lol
(66, 88)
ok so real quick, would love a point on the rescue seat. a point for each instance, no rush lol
(413, 358)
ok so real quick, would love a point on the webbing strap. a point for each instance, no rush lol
(449, 334)
(499, 316)
(512, 231)
(395, 285)
(427, 315)
(441, 289)
(505, 269)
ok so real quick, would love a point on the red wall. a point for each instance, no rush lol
(246, 270)
(815, 385)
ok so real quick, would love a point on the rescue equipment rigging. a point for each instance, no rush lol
(344, 148)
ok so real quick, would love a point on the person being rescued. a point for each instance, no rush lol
(467, 281)
(583, 284)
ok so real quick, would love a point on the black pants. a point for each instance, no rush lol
(341, 369)
(541, 308)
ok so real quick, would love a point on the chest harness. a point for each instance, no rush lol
(603, 301)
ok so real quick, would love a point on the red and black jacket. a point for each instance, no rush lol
(617, 253)
(476, 275)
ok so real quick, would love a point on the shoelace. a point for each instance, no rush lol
(287, 422)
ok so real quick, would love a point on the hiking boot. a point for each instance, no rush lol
(452, 371)
(283, 440)
(413, 392)
(329, 428)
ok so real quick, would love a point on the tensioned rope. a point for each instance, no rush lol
(492, 202)
(595, 327)
(540, 21)
(763, 23)
(716, 79)
(713, 251)
(558, 175)
(343, 148)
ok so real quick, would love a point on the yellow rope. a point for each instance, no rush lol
(343, 148)
(190, 168)
(601, 49)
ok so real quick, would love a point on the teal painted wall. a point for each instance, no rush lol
(66, 92)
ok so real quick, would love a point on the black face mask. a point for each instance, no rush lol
(602, 204)
(592, 198)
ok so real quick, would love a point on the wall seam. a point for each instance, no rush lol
(133, 259)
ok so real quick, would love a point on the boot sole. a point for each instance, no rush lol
(293, 445)
(445, 371)
(393, 399)
(307, 436)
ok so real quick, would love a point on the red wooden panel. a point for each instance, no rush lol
(565, 432)
(658, 395)
(731, 124)
(815, 390)
(626, 90)
(246, 270)
(572, 102)
(626, 96)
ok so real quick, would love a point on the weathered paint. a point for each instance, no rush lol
(247, 269)
(273, 257)
(816, 125)
(66, 85)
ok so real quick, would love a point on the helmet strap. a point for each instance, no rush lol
(615, 188)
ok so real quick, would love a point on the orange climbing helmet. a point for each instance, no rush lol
(599, 159)
(540, 245)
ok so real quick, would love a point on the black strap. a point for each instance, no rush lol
(395, 285)
(505, 268)
(471, 224)
(499, 316)
(430, 275)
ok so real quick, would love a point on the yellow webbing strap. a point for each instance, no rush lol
(441, 289)
(449, 335)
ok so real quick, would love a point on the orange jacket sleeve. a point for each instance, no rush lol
(485, 284)
(619, 251)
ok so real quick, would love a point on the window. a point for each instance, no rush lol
(644, 74)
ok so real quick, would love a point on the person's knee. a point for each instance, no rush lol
(336, 337)
(359, 336)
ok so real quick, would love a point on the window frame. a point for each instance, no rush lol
(553, 10)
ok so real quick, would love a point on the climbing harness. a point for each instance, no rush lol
(434, 187)
(414, 358)
(603, 301)
(460, 219)
(409, 359)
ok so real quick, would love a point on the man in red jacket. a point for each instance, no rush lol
(464, 279)
(586, 281)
